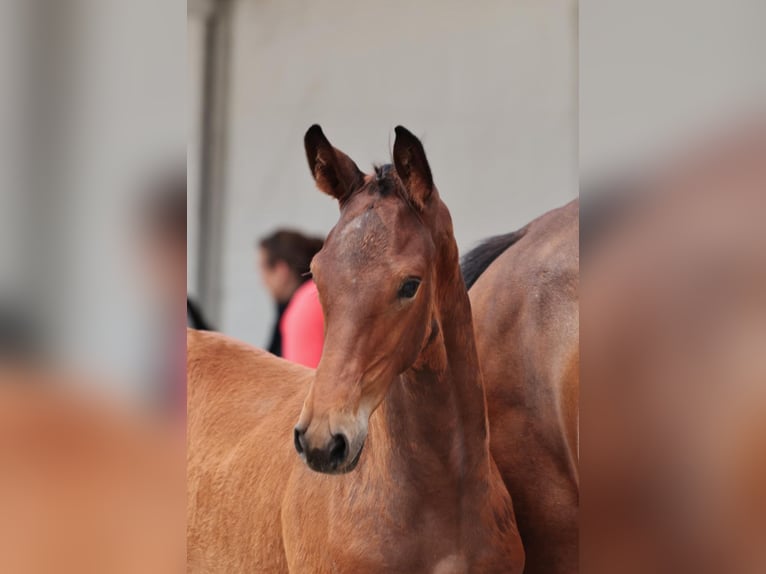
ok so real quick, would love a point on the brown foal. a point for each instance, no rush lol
(398, 398)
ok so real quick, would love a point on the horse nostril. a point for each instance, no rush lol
(298, 441)
(338, 449)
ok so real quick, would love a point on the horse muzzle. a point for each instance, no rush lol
(337, 455)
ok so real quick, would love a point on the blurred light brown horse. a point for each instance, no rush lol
(88, 485)
(398, 398)
(524, 294)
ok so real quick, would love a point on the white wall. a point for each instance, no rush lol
(12, 203)
(655, 75)
(195, 54)
(490, 86)
(118, 123)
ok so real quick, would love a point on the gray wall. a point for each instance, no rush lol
(656, 75)
(491, 86)
(92, 109)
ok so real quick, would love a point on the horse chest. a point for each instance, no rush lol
(451, 564)
(424, 541)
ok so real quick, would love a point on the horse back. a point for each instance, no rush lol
(525, 309)
(242, 405)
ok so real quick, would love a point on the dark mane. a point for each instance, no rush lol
(476, 261)
(387, 183)
(384, 182)
(603, 207)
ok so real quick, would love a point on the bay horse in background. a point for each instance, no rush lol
(524, 295)
(674, 333)
(395, 471)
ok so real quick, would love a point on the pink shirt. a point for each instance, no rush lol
(302, 327)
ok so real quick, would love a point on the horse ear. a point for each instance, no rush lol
(412, 167)
(334, 172)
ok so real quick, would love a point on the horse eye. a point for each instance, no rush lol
(409, 288)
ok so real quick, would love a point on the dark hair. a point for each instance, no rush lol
(292, 247)
(476, 261)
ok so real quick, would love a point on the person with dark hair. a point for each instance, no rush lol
(298, 333)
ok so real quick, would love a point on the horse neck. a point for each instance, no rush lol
(439, 404)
